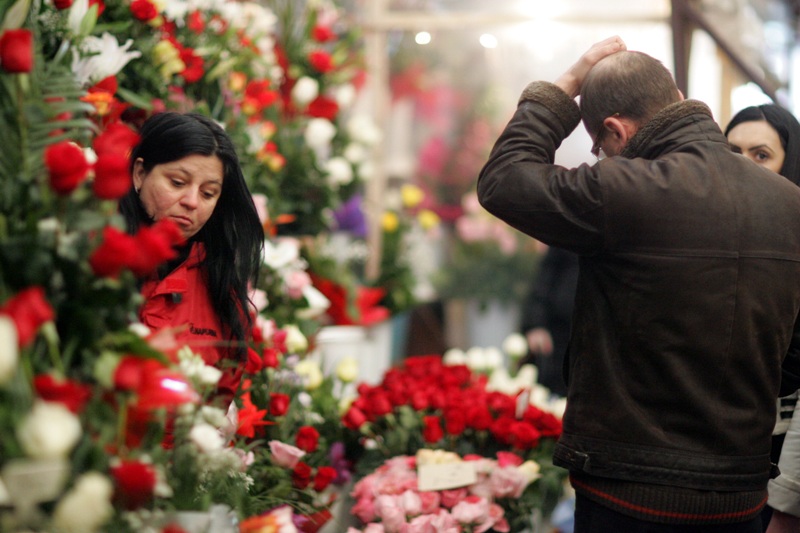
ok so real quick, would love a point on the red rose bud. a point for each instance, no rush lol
(108, 84)
(143, 10)
(116, 138)
(323, 107)
(135, 483)
(29, 309)
(62, 4)
(307, 439)
(321, 61)
(117, 251)
(111, 177)
(323, 34)
(16, 51)
(301, 475)
(278, 404)
(254, 362)
(325, 475)
(354, 418)
(67, 166)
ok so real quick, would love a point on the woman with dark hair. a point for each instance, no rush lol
(770, 136)
(185, 169)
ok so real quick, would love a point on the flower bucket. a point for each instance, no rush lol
(370, 345)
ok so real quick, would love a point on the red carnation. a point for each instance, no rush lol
(135, 483)
(67, 166)
(307, 439)
(322, 34)
(321, 61)
(143, 10)
(111, 177)
(71, 394)
(432, 432)
(194, 65)
(278, 404)
(16, 51)
(29, 309)
(325, 475)
(323, 107)
(195, 22)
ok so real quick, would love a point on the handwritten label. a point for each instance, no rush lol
(446, 476)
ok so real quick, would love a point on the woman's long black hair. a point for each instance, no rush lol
(788, 128)
(233, 236)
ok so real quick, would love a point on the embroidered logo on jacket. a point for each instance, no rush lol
(202, 331)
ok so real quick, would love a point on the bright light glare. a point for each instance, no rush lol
(488, 40)
(174, 384)
(422, 37)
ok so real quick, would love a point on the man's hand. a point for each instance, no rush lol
(783, 523)
(570, 82)
(540, 342)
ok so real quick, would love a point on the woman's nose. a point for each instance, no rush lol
(190, 198)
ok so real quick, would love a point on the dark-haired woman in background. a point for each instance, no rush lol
(770, 136)
(185, 169)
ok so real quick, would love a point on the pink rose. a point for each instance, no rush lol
(374, 528)
(507, 482)
(430, 502)
(296, 281)
(471, 510)
(495, 521)
(453, 496)
(285, 455)
(364, 509)
(411, 503)
(389, 510)
(508, 459)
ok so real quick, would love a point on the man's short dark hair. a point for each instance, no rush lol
(632, 84)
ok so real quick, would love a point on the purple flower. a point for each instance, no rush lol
(350, 217)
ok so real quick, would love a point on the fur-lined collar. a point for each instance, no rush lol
(662, 122)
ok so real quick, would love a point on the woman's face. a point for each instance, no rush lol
(185, 191)
(760, 142)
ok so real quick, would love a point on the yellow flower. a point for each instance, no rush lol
(237, 81)
(347, 369)
(411, 195)
(171, 67)
(310, 372)
(426, 456)
(428, 219)
(390, 222)
(164, 52)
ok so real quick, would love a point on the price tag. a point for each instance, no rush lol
(446, 476)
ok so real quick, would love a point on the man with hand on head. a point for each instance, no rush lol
(688, 294)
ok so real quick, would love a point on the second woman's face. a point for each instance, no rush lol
(760, 142)
(185, 191)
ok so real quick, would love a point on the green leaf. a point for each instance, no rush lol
(88, 22)
(133, 98)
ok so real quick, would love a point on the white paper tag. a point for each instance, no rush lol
(446, 476)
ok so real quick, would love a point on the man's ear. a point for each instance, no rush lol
(619, 130)
(680, 94)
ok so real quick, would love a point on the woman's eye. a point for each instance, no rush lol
(762, 156)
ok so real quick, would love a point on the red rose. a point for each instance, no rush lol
(115, 138)
(195, 22)
(155, 246)
(67, 166)
(524, 436)
(323, 107)
(278, 404)
(106, 85)
(62, 4)
(479, 417)
(307, 439)
(325, 475)
(194, 66)
(143, 10)
(321, 61)
(16, 51)
(379, 404)
(354, 418)
(111, 177)
(134, 484)
(101, 6)
(432, 432)
(71, 394)
(455, 421)
(301, 475)
(117, 251)
(501, 429)
(419, 400)
(29, 309)
(270, 356)
(322, 34)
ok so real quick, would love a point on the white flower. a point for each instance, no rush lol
(311, 373)
(355, 153)
(515, 345)
(493, 358)
(528, 375)
(102, 57)
(49, 431)
(347, 369)
(305, 90)
(281, 253)
(318, 303)
(454, 356)
(76, 14)
(296, 342)
(476, 358)
(86, 507)
(345, 95)
(531, 470)
(340, 171)
(104, 368)
(206, 437)
(140, 329)
(193, 367)
(9, 350)
(319, 134)
(363, 129)
(176, 11)
(366, 170)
